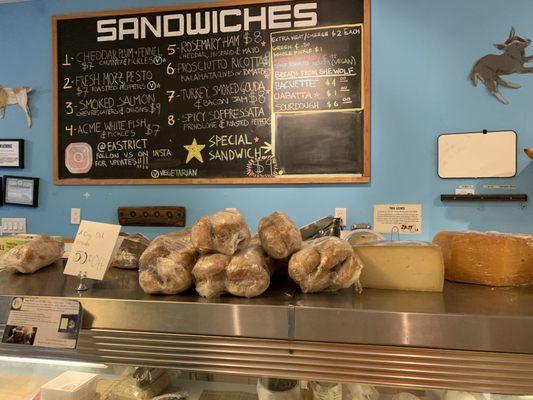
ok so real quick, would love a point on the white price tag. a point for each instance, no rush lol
(93, 249)
(406, 218)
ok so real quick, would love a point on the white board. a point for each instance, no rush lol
(477, 155)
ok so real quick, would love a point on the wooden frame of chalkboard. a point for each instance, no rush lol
(332, 145)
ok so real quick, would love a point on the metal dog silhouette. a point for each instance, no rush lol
(16, 95)
(489, 68)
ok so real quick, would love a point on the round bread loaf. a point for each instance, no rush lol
(248, 273)
(279, 236)
(165, 267)
(223, 232)
(325, 264)
(210, 275)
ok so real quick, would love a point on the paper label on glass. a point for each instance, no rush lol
(41, 322)
(93, 250)
(404, 218)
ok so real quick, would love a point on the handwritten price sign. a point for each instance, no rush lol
(93, 249)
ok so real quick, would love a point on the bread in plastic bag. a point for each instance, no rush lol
(165, 266)
(129, 387)
(210, 275)
(360, 391)
(325, 264)
(279, 236)
(248, 273)
(33, 255)
(223, 232)
(131, 249)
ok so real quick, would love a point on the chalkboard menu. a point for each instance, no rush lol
(235, 92)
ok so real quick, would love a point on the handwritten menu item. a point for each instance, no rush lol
(41, 322)
(218, 93)
(93, 250)
(317, 69)
(401, 218)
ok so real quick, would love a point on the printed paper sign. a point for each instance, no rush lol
(9, 153)
(465, 189)
(41, 322)
(93, 249)
(406, 218)
(499, 187)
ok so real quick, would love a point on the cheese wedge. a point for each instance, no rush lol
(401, 265)
(487, 258)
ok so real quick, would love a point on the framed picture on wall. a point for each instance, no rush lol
(21, 191)
(11, 153)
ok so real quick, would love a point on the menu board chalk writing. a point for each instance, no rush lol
(236, 92)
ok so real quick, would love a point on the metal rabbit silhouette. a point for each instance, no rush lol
(16, 95)
(489, 68)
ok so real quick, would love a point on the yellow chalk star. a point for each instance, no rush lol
(195, 151)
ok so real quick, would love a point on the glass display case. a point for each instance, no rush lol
(467, 343)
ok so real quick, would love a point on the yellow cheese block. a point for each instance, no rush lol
(401, 265)
(487, 258)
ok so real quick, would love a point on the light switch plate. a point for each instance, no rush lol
(341, 213)
(75, 216)
(13, 225)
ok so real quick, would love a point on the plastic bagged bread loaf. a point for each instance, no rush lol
(165, 267)
(361, 391)
(33, 255)
(279, 236)
(130, 251)
(223, 232)
(210, 275)
(325, 264)
(248, 273)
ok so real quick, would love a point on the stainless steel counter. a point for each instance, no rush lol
(461, 339)
(463, 317)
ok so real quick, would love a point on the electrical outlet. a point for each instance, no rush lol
(341, 213)
(13, 225)
(75, 216)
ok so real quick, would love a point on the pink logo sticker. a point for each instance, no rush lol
(79, 158)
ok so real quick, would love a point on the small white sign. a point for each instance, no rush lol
(93, 250)
(499, 187)
(40, 322)
(465, 189)
(406, 218)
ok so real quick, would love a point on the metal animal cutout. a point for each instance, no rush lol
(489, 68)
(16, 95)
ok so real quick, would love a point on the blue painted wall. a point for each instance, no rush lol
(422, 52)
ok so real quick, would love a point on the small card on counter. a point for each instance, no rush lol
(93, 250)
(41, 322)
(405, 218)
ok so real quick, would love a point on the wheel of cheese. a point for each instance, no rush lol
(402, 265)
(487, 258)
